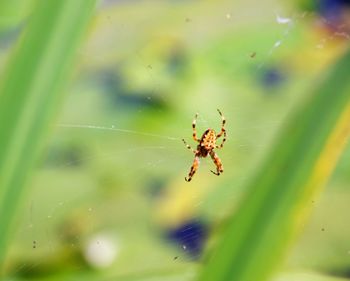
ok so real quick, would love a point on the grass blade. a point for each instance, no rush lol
(279, 196)
(29, 95)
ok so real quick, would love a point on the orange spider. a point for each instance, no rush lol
(206, 146)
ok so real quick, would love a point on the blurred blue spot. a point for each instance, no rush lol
(191, 237)
(9, 36)
(177, 61)
(332, 9)
(114, 84)
(155, 188)
(271, 77)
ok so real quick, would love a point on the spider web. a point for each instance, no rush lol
(110, 191)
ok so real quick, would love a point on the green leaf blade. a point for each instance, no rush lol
(30, 95)
(258, 235)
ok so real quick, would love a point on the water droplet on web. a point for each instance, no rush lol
(49, 216)
(112, 126)
(282, 20)
(184, 247)
(90, 209)
(277, 44)
(228, 16)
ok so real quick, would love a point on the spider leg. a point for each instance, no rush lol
(193, 169)
(194, 135)
(189, 147)
(217, 162)
(223, 120)
(223, 141)
(222, 132)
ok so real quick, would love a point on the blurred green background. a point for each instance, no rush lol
(108, 200)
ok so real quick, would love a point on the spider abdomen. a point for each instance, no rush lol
(208, 139)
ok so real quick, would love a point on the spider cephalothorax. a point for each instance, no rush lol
(206, 146)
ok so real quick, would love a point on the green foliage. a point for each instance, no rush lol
(257, 235)
(12, 12)
(30, 94)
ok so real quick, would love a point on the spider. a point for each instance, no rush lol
(206, 146)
